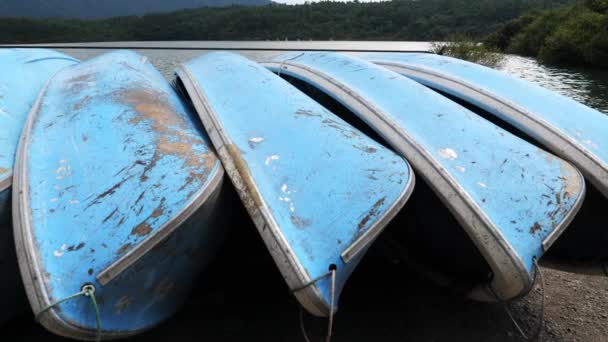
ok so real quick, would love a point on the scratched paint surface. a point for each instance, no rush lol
(114, 155)
(524, 191)
(23, 73)
(324, 182)
(586, 126)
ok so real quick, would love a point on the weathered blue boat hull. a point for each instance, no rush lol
(318, 190)
(116, 186)
(567, 128)
(512, 199)
(23, 73)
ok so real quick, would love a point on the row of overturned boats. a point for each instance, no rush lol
(113, 181)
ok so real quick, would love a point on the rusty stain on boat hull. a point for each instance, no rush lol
(143, 188)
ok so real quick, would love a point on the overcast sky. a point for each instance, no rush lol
(292, 2)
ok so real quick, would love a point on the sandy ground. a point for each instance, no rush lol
(243, 297)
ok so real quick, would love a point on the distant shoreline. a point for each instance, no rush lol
(378, 21)
(343, 46)
(575, 35)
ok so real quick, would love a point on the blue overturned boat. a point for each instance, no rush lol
(512, 199)
(559, 124)
(23, 73)
(115, 202)
(318, 190)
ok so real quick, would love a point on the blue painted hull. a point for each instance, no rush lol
(563, 126)
(567, 128)
(23, 73)
(512, 199)
(115, 186)
(318, 190)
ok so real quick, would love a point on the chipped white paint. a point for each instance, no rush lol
(483, 185)
(256, 140)
(4, 113)
(285, 191)
(271, 158)
(74, 201)
(448, 153)
(590, 143)
(62, 171)
(460, 168)
(292, 207)
(54, 199)
(59, 253)
(284, 199)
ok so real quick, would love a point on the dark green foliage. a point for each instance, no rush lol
(98, 9)
(463, 47)
(600, 6)
(394, 20)
(575, 34)
(501, 38)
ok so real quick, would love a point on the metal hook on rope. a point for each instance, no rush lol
(330, 323)
(87, 291)
(541, 318)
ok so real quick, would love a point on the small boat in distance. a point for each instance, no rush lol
(318, 190)
(23, 73)
(117, 195)
(563, 126)
(512, 199)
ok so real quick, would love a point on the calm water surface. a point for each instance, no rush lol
(584, 85)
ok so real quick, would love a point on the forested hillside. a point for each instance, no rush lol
(576, 34)
(96, 9)
(394, 20)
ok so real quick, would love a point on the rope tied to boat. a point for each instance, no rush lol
(86, 291)
(332, 294)
(541, 319)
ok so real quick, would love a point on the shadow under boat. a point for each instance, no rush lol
(542, 117)
(457, 154)
(117, 192)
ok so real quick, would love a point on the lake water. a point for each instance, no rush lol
(585, 85)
